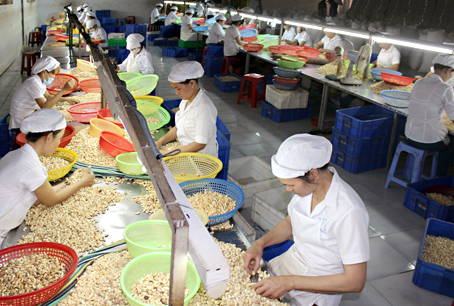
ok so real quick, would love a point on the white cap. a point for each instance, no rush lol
(79, 8)
(174, 8)
(299, 154)
(159, 4)
(91, 23)
(190, 11)
(43, 120)
(91, 14)
(237, 18)
(85, 5)
(445, 60)
(185, 71)
(47, 63)
(88, 8)
(133, 41)
(220, 17)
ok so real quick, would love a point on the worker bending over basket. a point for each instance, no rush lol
(139, 60)
(388, 58)
(195, 122)
(23, 179)
(329, 225)
(232, 43)
(329, 42)
(172, 16)
(97, 32)
(217, 33)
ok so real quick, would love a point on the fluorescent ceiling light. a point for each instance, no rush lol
(347, 32)
(249, 16)
(417, 44)
(176, 2)
(304, 25)
(270, 19)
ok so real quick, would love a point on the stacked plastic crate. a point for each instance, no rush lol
(281, 106)
(212, 62)
(119, 52)
(137, 28)
(102, 14)
(108, 24)
(361, 138)
(120, 26)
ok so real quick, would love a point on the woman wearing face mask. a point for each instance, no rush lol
(195, 122)
(139, 60)
(33, 95)
(97, 32)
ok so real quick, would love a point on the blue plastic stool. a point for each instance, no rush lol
(414, 165)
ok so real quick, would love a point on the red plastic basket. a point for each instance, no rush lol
(275, 49)
(249, 39)
(104, 113)
(309, 52)
(70, 131)
(63, 253)
(290, 50)
(253, 47)
(61, 37)
(83, 112)
(247, 26)
(331, 56)
(60, 81)
(287, 81)
(398, 80)
(54, 32)
(90, 85)
(114, 144)
(201, 21)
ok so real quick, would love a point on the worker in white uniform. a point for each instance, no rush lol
(33, 95)
(302, 38)
(329, 225)
(232, 43)
(23, 179)
(430, 98)
(87, 10)
(91, 15)
(80, 11)
(186, 33)
(217, 34)
(199, 9)
(329, 42)
(288, 35)
(195, 122)
(155, 13)
(97, 32)
(83, 15)
(450, 82)
(139, 60)
(388, 58)
(172, 16)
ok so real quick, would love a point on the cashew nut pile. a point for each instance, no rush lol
(149, 201)
(223, 226)
(57, 44)
(152, 120)
(448, 122)
(171, 146)
(83, 75)
(378, 87)
(441, 198)
(53, 163)
(153, 289)
(62, 107)
(89, 97)
(212, 203)
(29, 273)
(229, 79)
(439, 251)
(100, 283)
(112, 119)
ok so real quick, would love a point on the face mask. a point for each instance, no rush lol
(49, 80)
(135, 51)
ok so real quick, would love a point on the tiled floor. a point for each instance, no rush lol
(395, 232)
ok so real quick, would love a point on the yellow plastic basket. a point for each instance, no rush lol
(65, 154)
(193, 166)
(154, 99)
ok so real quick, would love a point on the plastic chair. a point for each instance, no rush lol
(252, 95)
(29, 58)
(153, 27)
(130, 19)
(227, 61)
(413, 167)
(35, 38)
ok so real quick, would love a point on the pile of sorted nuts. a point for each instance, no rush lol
(171, 146)
(83, 75)
(229, 79)
(152, 120)
(379, 86)
(212, 203)
(441, 198)
(439, 251)
(53, 163)
(29, 273)
(149, 201)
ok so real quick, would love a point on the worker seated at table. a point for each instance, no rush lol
(139, 59)
(80, 13)
(33, 95)
(172, 16)
(87, 10)
(91, 15)
(155, 13)
(97, 32)
(232, 43)
(195, 122)
(329, 225)
(289, 35)
(217, 34)
(329, 42)
(186, 33)
(388, 58)
(302, 38)
(23, 179)
(430, 98)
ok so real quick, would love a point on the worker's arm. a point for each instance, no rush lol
(427, 75)
(170, 136)
(50, 196)
(290, 42)
(191, 26)
(319, 45)
(352, 279)
(49, 103)
(238, 40)
(325, 50)
(395, 67)
(192, 147)
(278, 234)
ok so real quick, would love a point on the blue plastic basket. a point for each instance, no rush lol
(172, 43)
(287, 87)
(376, 73)
(396, 98)
(6, 136)
(286, 73)
(160, 42)
(108, 21)
(221, 186)
(200, 29)
(223, 128)
(357, 164)
(102, 14)
(212, 71)
(275, 250)
(248, 32)
(227, 86)
(282, 115)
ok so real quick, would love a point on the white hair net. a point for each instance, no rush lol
(174, 8)
(220, 17)
(190, 11)
(91, 14)
(43, 120)
(185, 71)
(159, 5)
(91, 23)
(445, 60)
(133, 41)
(237, 18)
(47, 63)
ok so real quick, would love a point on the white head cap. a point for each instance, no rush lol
(220, 17)
(88, 8)
(85, 5)
(190, 11)
(159, 5)
(185, 71)
(43, 120)
(133, 41)
(91, 14)
(80, 8)
(237, 18)
(174, 8)
(445, 60)
(91, 23)
(47, 63)
(299, 154)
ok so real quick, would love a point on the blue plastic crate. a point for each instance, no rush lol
(172, 43)
(215, 50)
(44, 30)
(113, 53)
(195, 56)
(357, 164)
(212, 71)
(417, 201)
(359, 146)
(152, 37)
(167, 31)
(210, 62)
(102, 14)
(223, 154)
(365, 121)
(282, 115)
(6, 138)
(159, 42)
(120, 29)
(169, 105)
(275, 250)
(227, 86)
(175, 52)
(109, 29)
(222, 128)
(121, 21)
(141, 28)
(430, 276)
(269, 80)
(122, 55)
(131, 27)
(108, 21)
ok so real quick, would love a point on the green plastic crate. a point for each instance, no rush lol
(190, 44)
(116, 42)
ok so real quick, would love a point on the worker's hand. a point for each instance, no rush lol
(272, 287)
(66, 87)
(72, 100)
(418, 77)
(88, 177)
(252, 258)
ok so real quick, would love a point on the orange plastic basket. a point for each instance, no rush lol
(105, 113)
(249, 39)
(70, 131)
(60, 81)
(275, 49)
(398, 80)
(63, 253)
(90, 85)
(308, 52)
(253, 47)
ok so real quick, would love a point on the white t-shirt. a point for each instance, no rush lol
(171, 18)
(197, 122)
(100, 33)
(185, 21)
(216, 34)
(21, 173)
(231, 47)
(154, 13)
(429, 99)
(143, 62)
(289, 35)
(304, 36)
(333, 43)
(388, 58)
(24, 103)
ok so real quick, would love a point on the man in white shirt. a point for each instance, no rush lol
(430, 98)
(329, 42)
(217, 33)
(155, 13)
(388, 58)
(172, 16)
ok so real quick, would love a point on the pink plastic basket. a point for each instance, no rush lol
(83, 112)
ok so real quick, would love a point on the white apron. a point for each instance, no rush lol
(132, 65)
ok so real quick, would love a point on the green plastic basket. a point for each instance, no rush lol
(290, 65)
(127, 76)
(155, 262)
(190, 44)
(270, 42)
(152, 110)
(148, 236)
(116, 42)
(142, 86)
(128, 164)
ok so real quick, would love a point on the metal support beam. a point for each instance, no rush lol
(324, 103)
